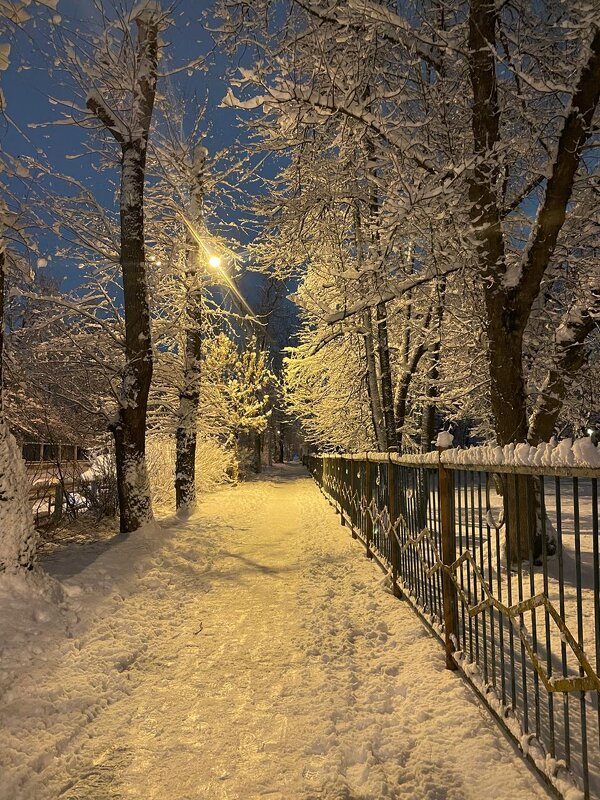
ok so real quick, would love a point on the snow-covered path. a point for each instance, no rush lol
(250, 652)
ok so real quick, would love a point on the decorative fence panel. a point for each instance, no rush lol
(502, 563)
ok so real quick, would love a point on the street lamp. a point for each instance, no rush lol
(214, 261)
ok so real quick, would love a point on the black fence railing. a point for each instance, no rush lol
(503, 564)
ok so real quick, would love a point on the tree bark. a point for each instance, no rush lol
(428, 416)
(129, 430)
(2, 322)
(569, 357)
(18, 537)
(130, 433)
(187, 415)
(509, 299)
(385, 371)
(377, 418)
(258, 442)
(373, 383)
(189, 395)
(411, 363)
(505, 326)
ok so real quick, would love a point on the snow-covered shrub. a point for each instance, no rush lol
(245, 463)
(18, 537)
(99, 485)
(160, 461)
(214, 464)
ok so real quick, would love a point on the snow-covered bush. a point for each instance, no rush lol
(99, 485)
(214, 465)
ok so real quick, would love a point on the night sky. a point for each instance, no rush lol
(28, 87)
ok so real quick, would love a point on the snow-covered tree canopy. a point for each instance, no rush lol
(438, 145)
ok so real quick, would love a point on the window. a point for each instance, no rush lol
(50, 452)
(67, 452)
(32, 451)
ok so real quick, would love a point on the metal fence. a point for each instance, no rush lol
(503, 564)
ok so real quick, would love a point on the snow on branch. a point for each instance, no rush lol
(76, 308)
(553, 210)
(336, 101)
(146, 12)
(397, 290)
(98, 107)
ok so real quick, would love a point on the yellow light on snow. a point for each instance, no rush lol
(214, 261)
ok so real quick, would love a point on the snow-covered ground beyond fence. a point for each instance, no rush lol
(249, 652)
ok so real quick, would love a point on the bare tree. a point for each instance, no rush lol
(131, 133)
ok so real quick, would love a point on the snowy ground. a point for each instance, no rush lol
(250, 652)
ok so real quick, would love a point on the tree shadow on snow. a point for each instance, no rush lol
(69, 561)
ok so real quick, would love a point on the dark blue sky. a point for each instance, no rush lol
(28, 85)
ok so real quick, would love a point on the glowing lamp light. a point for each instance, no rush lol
(214, 261)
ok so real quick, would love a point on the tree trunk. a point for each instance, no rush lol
(385, 370)
(569, 357)
(130, 436)
(505, 325)
(258, 453)
(427, 426)
(18, 537)
(189, 396)
(428, 417)
(373, 383)
(270, 442)
(509, 302)
(187, 416)
(2, 320)
(377, 418)
(130, 432)
(507, 385)
(403, 387)
(135, 506)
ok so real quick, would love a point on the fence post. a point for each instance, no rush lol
(393, 514)
(354, 480)
(448, 535)
(368, 498)
(341, 482)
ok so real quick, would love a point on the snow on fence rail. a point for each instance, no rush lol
(502, 562)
